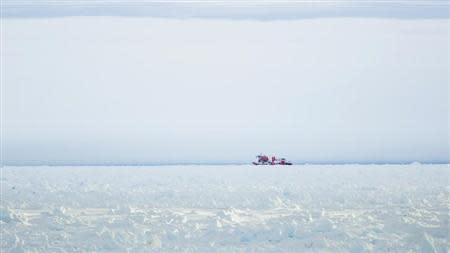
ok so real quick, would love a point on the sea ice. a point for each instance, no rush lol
(301, 208)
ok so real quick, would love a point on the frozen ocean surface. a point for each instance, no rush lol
(308, 208)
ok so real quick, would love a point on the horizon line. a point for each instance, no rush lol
(148, 164)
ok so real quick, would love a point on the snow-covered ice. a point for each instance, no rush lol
(307, 208)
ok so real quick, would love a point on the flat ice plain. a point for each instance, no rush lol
(301, 208)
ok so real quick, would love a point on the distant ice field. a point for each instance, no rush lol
(304, 208)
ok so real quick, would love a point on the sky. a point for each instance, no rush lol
(230, 9)
(208, 83)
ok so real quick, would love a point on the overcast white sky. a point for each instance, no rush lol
(150, 90)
